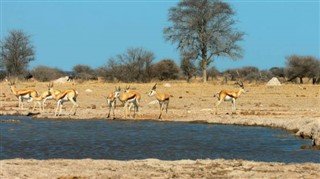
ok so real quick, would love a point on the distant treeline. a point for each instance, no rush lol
(137, 65)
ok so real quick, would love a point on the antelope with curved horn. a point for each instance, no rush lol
(130, 99)
(162, 98)
(132, 105)
(48, 96)
(22, 94)
(226, 95)
(112, 99)
(39, 100)
(67, 95)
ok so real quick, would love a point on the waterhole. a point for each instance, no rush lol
(24, 137)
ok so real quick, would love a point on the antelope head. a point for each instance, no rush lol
(153, 90)
(11, 83)
(117, 92)
(240, 83)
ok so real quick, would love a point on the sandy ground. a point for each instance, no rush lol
(292, 107)
(153, 168)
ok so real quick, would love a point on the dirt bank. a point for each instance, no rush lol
(153, 168)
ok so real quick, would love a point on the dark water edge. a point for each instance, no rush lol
(128, 140)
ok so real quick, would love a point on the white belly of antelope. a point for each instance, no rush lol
(228, 98)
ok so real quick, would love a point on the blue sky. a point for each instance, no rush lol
(67, 33)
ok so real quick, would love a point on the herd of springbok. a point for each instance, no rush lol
(130, 99)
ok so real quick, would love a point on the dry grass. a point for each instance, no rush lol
(187, 99)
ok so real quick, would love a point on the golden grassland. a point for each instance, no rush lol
(188, 99)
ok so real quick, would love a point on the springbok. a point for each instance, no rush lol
(112, 100)
(130, 99)
(48, 96)
(39, 100)
(226, 95)
(162, 98)
(21, 94)
(67, 95)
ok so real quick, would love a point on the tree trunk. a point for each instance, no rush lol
(204, 71)
(204, 65)
(301, 80)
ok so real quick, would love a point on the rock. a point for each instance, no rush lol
(274, 82)
(62, 79)
(167, 85)
(88, 91)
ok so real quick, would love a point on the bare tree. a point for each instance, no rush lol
(110, 71)
(16, 53)
(205, 29)
(132, 66)
(302, 66)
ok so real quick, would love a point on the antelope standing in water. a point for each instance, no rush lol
(112, 99)
(226, 95)
(22, 94)
(67, 95)
(162, 98)
(130, 99)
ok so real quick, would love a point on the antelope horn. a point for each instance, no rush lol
(241, 84)
(154, 87)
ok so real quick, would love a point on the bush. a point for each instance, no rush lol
(43, 73)
(166, 69)
(84, 72)
(132, 66)
(212, 73)
(277, 72)
(188, 68)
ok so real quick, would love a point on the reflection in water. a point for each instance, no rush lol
(125, 140)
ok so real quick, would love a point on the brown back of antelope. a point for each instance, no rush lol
(163, 99)
(229, 95)
(130, 99)
(40, 100)
(22, 94)
(64, 96)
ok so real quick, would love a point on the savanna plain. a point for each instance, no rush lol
(292, 107)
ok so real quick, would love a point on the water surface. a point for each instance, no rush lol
(127, 140)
